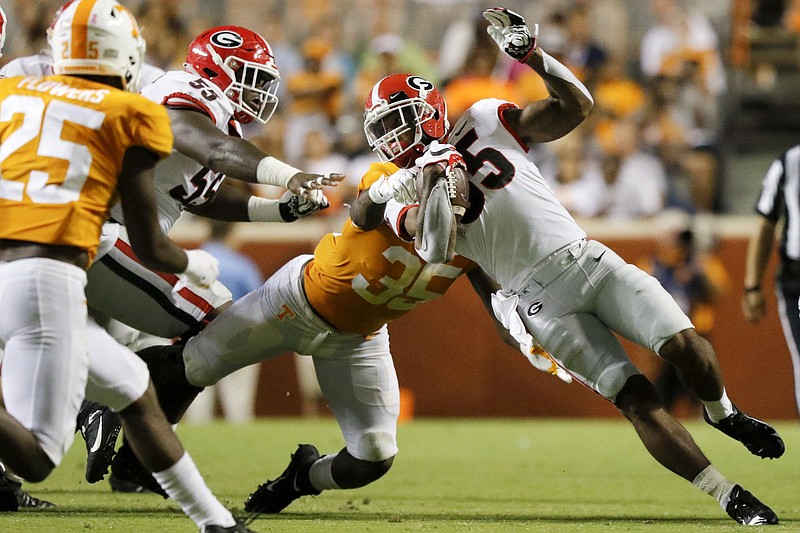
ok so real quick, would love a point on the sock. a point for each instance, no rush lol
(184, 484)
(713, 483)
(321, 475)
(719, 409)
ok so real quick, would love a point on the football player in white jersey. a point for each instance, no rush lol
(230, 78)
(567, 292)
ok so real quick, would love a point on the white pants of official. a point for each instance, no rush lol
(47, 369)
(157, 303)
(579, 295)
(356, 373)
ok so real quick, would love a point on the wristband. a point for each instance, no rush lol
(270, 171)
(754, 288)
(263, 210)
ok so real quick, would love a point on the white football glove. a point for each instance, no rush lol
(202, 268)
(400, 186)
(293, 206)
(509, 31)
(449, 158)
(505, 310)
(440, 153)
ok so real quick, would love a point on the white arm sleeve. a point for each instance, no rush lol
(393, 216)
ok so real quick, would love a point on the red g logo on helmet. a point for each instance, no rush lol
(226, 39)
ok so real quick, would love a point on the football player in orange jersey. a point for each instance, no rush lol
(11, 484)
(71, 143)
(334, 306)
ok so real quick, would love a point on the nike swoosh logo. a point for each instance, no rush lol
(599, 257)
(440, 152)
(99, 439)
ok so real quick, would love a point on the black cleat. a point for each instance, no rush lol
(26, 501)
(127, 487)
(274, 496)
(100, 428)
(8, 502)
(127, 467)
(239, 527)
(13, 498)
(8, 488)
(757, 436)
(747, 510)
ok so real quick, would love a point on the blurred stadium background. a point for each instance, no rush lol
(687, 132)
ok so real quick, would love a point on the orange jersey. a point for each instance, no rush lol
(360, 280)
(62, 142)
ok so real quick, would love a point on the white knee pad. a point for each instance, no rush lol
(375, 446)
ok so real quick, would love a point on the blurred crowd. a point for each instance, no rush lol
(656, 69)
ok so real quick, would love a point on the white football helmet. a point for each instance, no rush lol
(99, 38)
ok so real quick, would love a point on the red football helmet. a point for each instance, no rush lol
(402, 115)
(240, 62)
(3, 28)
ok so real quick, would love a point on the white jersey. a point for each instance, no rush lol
(41, 64)
(522, 221)
(180, 180)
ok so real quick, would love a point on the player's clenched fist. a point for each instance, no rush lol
(510, 32)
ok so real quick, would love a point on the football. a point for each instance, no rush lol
(458, 191)
(456, 182)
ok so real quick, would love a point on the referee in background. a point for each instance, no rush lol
(779, 203)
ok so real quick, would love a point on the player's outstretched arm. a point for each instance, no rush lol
(232, 204)
(197, 137)
(569, 102)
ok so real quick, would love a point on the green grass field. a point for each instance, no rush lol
(451, 475)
